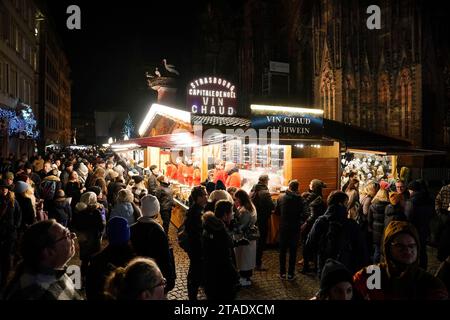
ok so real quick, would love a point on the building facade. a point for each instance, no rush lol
(18, 64)
(54, 86)
(393, 81)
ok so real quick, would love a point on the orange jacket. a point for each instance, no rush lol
(234, 180)
(220, 175)
(197, 177)
(188, 173)
(180, 170)
(171, 171)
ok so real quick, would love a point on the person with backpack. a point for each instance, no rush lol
(264, 205)
(314, 208)
(48, 187)
(291, 209)
(335, 236)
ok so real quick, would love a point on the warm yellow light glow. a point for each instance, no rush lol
(125, 146)
(156, 109)
(258, 107)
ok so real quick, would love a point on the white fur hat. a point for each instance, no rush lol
(87, 199)
(150, 206)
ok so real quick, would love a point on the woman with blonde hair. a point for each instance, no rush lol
(353, 204)
(27, 202)
(376, 221)
(141, 279)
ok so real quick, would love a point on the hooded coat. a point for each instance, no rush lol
(262, 200)
(221, 275)
(400, 282)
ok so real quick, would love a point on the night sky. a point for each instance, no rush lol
(118, 43)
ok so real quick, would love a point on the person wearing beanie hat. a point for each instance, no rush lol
(149, 240)
(400, 276)
(336, 282)
(150, 206)
(385, 185)
(117, 253)
(118, 231)
(21, 187)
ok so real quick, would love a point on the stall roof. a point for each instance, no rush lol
(170, 141)
(358, 138)
(399, 151)
(221, 121)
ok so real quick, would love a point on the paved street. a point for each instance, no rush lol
(266, 285)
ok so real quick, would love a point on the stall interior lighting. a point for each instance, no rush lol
(257, 107)
(317, 146)
(156, 109)
(125, 146)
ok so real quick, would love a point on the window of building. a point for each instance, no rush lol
(13, 83)
(17, 39)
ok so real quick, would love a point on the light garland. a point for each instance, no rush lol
(20, 122)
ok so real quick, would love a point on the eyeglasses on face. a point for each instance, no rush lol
(161, 283)
(67, 235)
(403, 247)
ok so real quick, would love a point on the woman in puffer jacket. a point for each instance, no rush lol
(125, 207)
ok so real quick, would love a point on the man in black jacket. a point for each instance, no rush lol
(165, 198)
(291, 209)
(264, 205)
(194, 229)
(149, 240)
(314, 208)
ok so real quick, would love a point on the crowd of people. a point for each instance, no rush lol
(107, 210)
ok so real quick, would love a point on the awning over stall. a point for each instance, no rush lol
(358, 138)
(166, 141)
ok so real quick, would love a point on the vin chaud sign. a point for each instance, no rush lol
(211, 96)
(288, 121)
